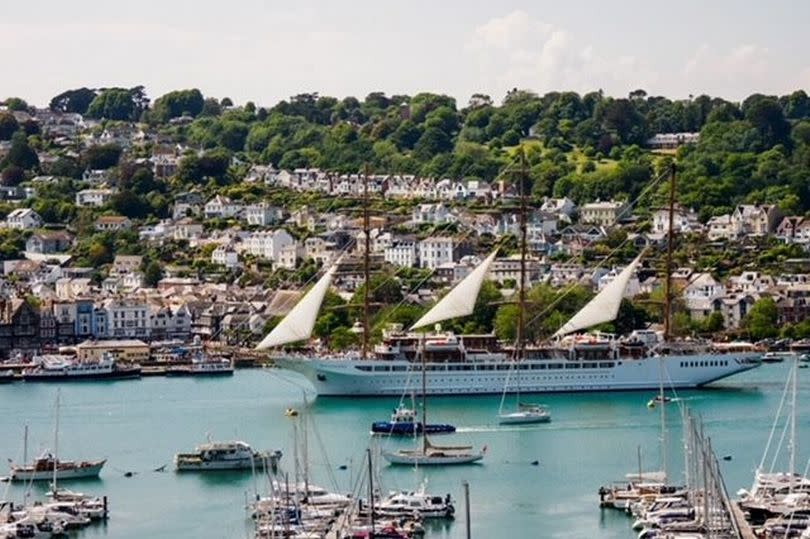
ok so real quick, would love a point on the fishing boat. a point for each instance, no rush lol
(403, 423)
(231, 455)
(61, 368)
(48, 467)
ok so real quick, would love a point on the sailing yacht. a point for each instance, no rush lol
(48, 467)
(459, 302)
(526, 413)
(570, 362)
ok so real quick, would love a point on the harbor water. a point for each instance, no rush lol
(536, 481)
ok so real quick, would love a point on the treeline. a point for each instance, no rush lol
(583, 146)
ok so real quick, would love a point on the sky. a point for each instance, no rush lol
(265, 51)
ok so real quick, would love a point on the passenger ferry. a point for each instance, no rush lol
(58, 368)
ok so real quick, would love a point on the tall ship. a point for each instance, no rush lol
(571, 361)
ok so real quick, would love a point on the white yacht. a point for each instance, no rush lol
(42, 469)
(409, 502)
(234, 455)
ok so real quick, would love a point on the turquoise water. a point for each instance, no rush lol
(139, 425)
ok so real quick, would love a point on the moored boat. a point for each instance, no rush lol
(42, 469)
(232, 455)
(60, 368)
(202, 366)
(403, 423)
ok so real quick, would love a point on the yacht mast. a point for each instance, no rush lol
(56, 441)
(667, 315)
(794, 389)
(367, 239)
(421, 350)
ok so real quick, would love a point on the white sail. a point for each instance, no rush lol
(460, 301)
(604, 306)
(298, 324)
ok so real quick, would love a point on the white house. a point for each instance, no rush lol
(268, 243)
(221, 207)
(723, 227)
(127, 318)
(435, 251)
(23, 219)
(684, 220)
(559, 206)
(756, 219)
(603, 213)
(262, 214)
(700, 293)
(93, 197)
(319, 249)
(402, 253)
(288, 256)
(633, 285)
(226, 256)
(431, 214)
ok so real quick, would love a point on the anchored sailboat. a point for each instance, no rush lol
(526, 413)
(460, 301)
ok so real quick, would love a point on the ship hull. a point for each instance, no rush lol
(126, 374)
(352, 377)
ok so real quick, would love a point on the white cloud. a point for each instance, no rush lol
(516, 50)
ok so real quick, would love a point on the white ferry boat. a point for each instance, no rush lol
(203, 366)
(234, 455)
(57, 368)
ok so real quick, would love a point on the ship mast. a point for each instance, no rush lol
(521, 321)
(668, 267)
(366, 235)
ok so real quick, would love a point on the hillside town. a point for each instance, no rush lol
(51, 297)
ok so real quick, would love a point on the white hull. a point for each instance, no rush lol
(354, 377)
(83, 472)
(420, 459)
(523, 418)
(243, 464)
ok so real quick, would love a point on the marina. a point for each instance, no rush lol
(601, 429)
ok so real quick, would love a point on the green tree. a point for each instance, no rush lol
(176, 104)
(153, 273)
(77, 100)
(16, 103)
(103, 156)
(761, 320)
(8, 125)
(21, 154)
(119, 104)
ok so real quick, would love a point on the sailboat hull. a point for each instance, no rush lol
(521, 418)
(355, 377)
(419, 459)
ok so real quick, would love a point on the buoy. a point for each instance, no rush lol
(128, 474)
(535, 463)
(291, 412)
(727, 457)
(343, 467)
